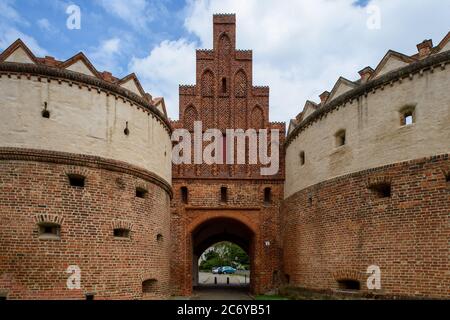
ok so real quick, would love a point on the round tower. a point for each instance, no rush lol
(85, 173)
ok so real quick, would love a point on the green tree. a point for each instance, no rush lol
(224, 254)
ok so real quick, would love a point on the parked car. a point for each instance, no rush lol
(228, 270)
(217, 270)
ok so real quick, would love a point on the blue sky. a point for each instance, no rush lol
(301, 47)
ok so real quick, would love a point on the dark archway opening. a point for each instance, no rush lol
(219, 231)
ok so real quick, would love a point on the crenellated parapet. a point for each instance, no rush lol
(188, 90)
(205, 54)
(261, 91)
(244, 55)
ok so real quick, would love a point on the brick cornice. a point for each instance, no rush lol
(28, 69)
(65, 158)
(440, 59)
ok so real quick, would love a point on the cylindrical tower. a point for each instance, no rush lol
(85, 173)
(367, 181)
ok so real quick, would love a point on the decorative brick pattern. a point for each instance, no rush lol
(226, 101)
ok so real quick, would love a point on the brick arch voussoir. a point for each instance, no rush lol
(200, 220)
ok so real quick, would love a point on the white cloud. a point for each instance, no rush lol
(301, 47)
(10, 20)
(44, 24)
(8, 13)
(169, 64)
(105, 57)
(10, 34)
(137, 13)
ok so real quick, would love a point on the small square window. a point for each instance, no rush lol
(381, 190)
(121, 233)
(76, 180)
(49, 230)
(89, 296)
(407, 116)
(141, 193)
(350, 285)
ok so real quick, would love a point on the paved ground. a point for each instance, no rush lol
(238, 289)
(208, 279)
(221, 293)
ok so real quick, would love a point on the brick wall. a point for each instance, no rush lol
(334, 230)
(111, 268)
(245, 208)
(224, 98)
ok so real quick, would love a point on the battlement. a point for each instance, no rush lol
(224, 18)
(244, 54)
(187, 90)
(205, 54)
(261, 90)
(278, 125)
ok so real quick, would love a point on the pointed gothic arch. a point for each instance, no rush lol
(189, 117)
(207, 83)
(257, 118)
(240, 84)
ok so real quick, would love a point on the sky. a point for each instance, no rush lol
(300, 47)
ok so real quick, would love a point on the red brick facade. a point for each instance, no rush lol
(224, 98)
(334, 230)
(34, 189)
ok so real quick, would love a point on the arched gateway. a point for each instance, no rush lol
(209, 231)
(221, 202)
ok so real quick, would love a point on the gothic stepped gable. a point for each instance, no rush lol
(221, 202)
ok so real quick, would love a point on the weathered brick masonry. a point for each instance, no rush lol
(363, 179)
(224, 98)
(34, 187)
(334, 230)
(85, 176)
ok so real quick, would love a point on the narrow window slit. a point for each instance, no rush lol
(223, 194)
(184, 195)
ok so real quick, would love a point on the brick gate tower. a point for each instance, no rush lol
(221, 202)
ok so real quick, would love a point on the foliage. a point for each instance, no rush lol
(224, 254)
